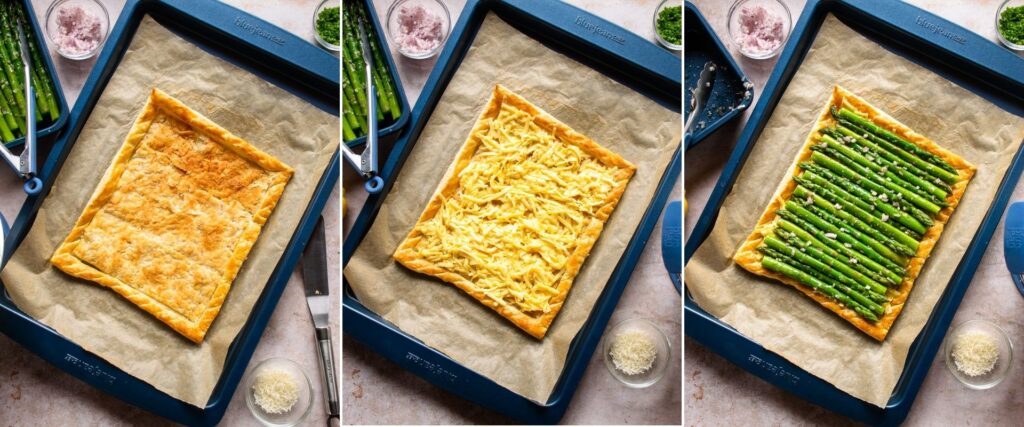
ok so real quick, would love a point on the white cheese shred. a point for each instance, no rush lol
(633, 352)
(975, 354)
(275, 390)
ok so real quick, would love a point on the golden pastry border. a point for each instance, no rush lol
(159, 101)
(748, 257)
(535, 326)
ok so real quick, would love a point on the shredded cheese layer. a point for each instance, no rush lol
(523, 201)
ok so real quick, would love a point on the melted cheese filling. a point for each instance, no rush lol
(522, 203)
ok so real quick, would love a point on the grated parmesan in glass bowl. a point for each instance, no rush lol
(278, 392)
(978, 353)
(636, 352)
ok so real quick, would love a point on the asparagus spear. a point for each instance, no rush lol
(793, 227)
(11, 55)
(827, 265)
(780, 267)
(387, 84)
(862, 295)
(879, 212)
(351, 27)
(9, 118)
(878, 199)
(42, 77)
(346, 131)
(357, 111)
(842, 165)
(5, 131)
(893, 163)
(950, 174)
(862, 161)
(350, 119)
(860, 220)
(848, 236)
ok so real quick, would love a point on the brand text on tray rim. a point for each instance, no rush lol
(596, 29)
(938, 29)
(92, 370)
(254, 29)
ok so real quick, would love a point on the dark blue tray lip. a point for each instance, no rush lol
(320, 85)
(699, 136)
(986, 59)
(62, 103)
(403, 102)
(394, 344)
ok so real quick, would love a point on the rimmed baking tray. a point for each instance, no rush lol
(256, 46)
(975, 63)
(730, 94)
(636, 63)
(62, 103)
(392, 129)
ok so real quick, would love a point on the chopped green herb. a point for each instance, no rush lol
(670, 24)
(328, 25)
(1011, 24)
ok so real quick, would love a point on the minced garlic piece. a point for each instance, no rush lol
(275, 391)
(633, 352)
(975, 353)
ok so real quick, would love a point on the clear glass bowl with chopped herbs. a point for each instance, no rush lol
(999, 369)
(627, 362)
(668, 24)
(1010, 24)
(327, 25)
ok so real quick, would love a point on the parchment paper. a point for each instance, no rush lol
(441, 315)
(97, 318)
(787, 322)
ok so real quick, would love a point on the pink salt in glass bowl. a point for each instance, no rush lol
(407, 30)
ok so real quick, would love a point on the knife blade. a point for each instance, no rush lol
(314, 278)
(700, 93)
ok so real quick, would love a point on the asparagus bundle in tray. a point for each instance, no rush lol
(353, 72)
(12, 80)
(853, 223)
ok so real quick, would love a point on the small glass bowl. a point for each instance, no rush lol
(661, 361)
(999, 371)
(1007, 4)
(324, 5)
(302, 407)
(778, 7)
(93, 6)
(435, 6)
(667, 44)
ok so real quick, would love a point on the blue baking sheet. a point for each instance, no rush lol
(731, 93)
(975, 63)
(633, 61)
(248, 42)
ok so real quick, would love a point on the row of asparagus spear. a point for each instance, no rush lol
(861, 206)
(354, 106)
(12, 81)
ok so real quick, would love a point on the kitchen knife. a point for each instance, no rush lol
(314, 277)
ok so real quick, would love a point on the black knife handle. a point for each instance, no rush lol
(325, 351)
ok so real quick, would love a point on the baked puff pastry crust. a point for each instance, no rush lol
(174, 216)
(517, 212)
(749, 257)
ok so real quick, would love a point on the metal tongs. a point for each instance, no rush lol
(366, 162)
(25, 163)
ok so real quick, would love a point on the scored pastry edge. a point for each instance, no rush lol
(749, 258)
(158, 101)
(534, 326)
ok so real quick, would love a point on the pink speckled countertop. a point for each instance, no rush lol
(33, 392)
(719, 393)
(376, 391)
